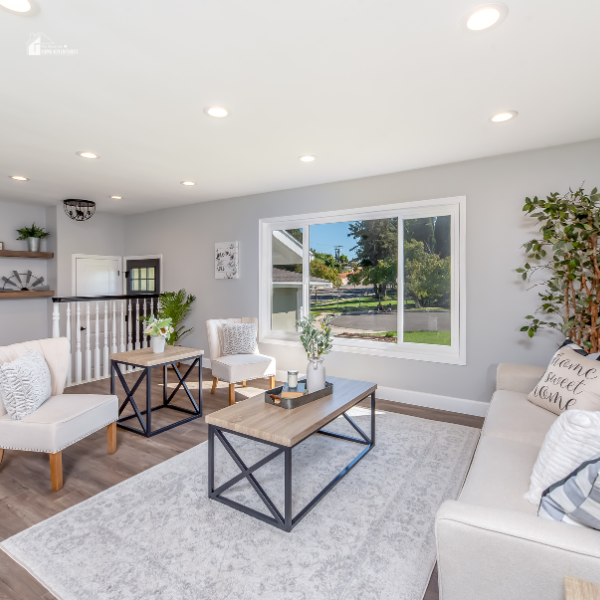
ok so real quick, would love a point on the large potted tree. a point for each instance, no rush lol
(567, 250)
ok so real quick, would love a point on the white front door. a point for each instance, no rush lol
(98, 276)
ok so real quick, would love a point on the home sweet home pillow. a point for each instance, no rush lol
(570, 381)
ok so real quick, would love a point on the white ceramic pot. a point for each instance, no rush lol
(33, 244)
(315, 375)
(158, 343)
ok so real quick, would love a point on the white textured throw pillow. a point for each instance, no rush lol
(573, 439)
(25, 384)
(570, 381)
(239, 338)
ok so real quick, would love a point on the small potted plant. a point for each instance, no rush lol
(158, 330)
(317, 340)
(33, 235)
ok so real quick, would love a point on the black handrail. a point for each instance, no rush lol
(95, 298)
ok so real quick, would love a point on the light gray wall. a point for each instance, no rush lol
(102, 235)
(496, 228)
(23, 319)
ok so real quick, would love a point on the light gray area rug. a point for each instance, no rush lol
(157, 536)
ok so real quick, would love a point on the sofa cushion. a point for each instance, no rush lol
(512, 417)
(573, 438)
(570, 381)
(499, 475)
(242, 367)
(59, 422)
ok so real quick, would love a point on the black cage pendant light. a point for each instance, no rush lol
(80, 210)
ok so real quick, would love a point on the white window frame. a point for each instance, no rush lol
(455, 207)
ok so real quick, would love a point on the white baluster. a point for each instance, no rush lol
(78, 344)
(97, 371)
(105, 362)
(144, 338)
(122, 327)
(137, 325)
(88, 348)
(56, 320)
(113, 348)
(68, 334)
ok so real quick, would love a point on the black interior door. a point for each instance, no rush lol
(143, 277)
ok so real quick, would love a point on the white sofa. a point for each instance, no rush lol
(491, 544)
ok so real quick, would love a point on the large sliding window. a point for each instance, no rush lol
(391, 277)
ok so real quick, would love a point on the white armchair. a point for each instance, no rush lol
(235, 368)
(63, 419)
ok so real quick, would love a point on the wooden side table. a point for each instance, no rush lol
(147, 360)
(577, 589)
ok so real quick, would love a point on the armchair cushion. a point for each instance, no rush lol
(56, 354)
(242, 367)
(59, 422)
(239, 338)
(25, 384)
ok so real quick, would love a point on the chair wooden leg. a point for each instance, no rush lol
(56, 471)
(214, 385)
(1, 455)
(272, 381)
(111, 437)
(243, 384)
(231, 394)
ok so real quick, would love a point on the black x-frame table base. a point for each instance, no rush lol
(146, 423)
(285, 521)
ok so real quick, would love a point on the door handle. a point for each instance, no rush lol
(82, 329)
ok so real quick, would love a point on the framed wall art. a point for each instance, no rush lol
(227, 260)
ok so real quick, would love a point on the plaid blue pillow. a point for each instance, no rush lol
(571, 344)
(576, 498)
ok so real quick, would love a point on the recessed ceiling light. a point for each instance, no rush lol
(484, 17)
(20, 7)
(505, 115)
(188, 183)
(307, 158)
(88, 155)
(19, 177)
(218, 112)
(116, 197)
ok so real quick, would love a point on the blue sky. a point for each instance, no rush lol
(324, 238)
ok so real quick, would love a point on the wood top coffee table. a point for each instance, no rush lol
(284, 429)
(146, 359)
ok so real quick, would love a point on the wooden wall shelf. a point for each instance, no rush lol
(25, 254)
(15, 295)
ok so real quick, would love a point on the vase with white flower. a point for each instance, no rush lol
(158, 330)
(317, 339)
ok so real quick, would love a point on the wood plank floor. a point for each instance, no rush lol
(26, 497)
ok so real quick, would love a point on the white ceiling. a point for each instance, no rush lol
(369, 86)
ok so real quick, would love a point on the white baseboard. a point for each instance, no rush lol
(457, 405)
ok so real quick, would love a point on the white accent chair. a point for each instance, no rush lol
(63, 419)
(236, 368)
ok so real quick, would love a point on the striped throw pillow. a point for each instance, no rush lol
(576, 498)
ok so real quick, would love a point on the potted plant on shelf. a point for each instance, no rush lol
(33, 235)
(317, 340)
(158, 330)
